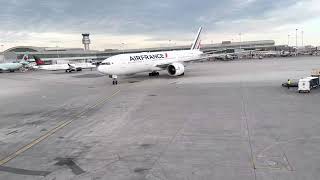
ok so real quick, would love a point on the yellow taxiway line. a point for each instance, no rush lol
(52, 131)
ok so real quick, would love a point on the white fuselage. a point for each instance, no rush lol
(10, 66)
(56, 67)
(125, 64)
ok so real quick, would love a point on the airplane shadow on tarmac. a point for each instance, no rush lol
(96, 75)
(144, 77)
(135, 78)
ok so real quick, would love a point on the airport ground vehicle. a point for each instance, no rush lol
(293, 84)
(308, 83)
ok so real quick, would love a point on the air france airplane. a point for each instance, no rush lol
(172, 61)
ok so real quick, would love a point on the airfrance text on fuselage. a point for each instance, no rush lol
(145, 57)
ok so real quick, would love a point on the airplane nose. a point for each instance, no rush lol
(99, 68)
(102, 69)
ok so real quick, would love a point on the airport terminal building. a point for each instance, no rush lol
(58, 52)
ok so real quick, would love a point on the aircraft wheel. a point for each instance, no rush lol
(154, 74)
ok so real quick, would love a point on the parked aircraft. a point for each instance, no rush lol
(67, 67)
(15, 65)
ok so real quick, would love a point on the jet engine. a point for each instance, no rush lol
(175, 69)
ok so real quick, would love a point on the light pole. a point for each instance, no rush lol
(56, 43)
(296, 42)
(122, 44)
(302, 38)
(57, 51)
(2, 53)
(240, 40)
(4, 58)
(296, 38)
(288, 40)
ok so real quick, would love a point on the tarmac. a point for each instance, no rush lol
(222, 120)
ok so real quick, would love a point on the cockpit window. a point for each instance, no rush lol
(106, 63)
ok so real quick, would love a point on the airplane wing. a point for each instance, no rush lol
(203, 57)
(162, 66)
(85, 65)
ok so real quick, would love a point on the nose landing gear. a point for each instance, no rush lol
(114, 79)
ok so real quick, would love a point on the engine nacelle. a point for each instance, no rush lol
(78, 69)
(175, 69)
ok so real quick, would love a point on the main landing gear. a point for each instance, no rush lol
(154, 73)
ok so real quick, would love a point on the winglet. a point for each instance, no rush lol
(196, 42)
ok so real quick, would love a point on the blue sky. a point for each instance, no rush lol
(148, 23)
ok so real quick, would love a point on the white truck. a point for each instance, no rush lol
(308, 83)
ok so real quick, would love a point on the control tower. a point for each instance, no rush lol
(86, 41)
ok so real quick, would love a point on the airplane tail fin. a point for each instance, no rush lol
(25, 57)
(38, 60)
(197, 41)
(25, 60)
